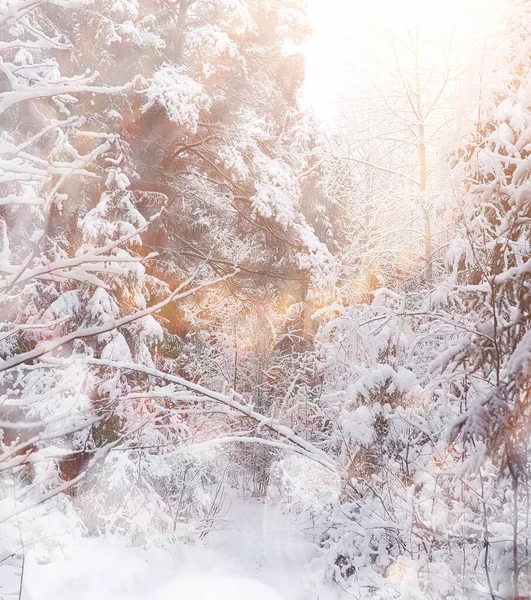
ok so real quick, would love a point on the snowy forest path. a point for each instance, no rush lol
(266, 545)
(257, 553)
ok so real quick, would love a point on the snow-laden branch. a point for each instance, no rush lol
(231, 401)
(244, 439)
(21, 93)
(16, 456)
(47, 347)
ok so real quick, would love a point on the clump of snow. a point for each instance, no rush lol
(304, 485)
(117, 349)
(357, 425)
(276, 190)
(99, 226)
(148, 329)
(182, 97)
(212, 40)
(276, 197)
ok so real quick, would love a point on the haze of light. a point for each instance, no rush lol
(348, 36)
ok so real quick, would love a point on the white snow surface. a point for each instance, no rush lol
(258, 553)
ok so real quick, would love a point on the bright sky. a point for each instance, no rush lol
(346, 33)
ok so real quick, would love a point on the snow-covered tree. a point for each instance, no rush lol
(128, 193)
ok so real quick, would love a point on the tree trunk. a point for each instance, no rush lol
(423, 172)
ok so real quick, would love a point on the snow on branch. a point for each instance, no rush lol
(231, 401)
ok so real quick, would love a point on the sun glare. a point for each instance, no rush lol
(347, 34)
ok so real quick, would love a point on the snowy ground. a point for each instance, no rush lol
(260, 554)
